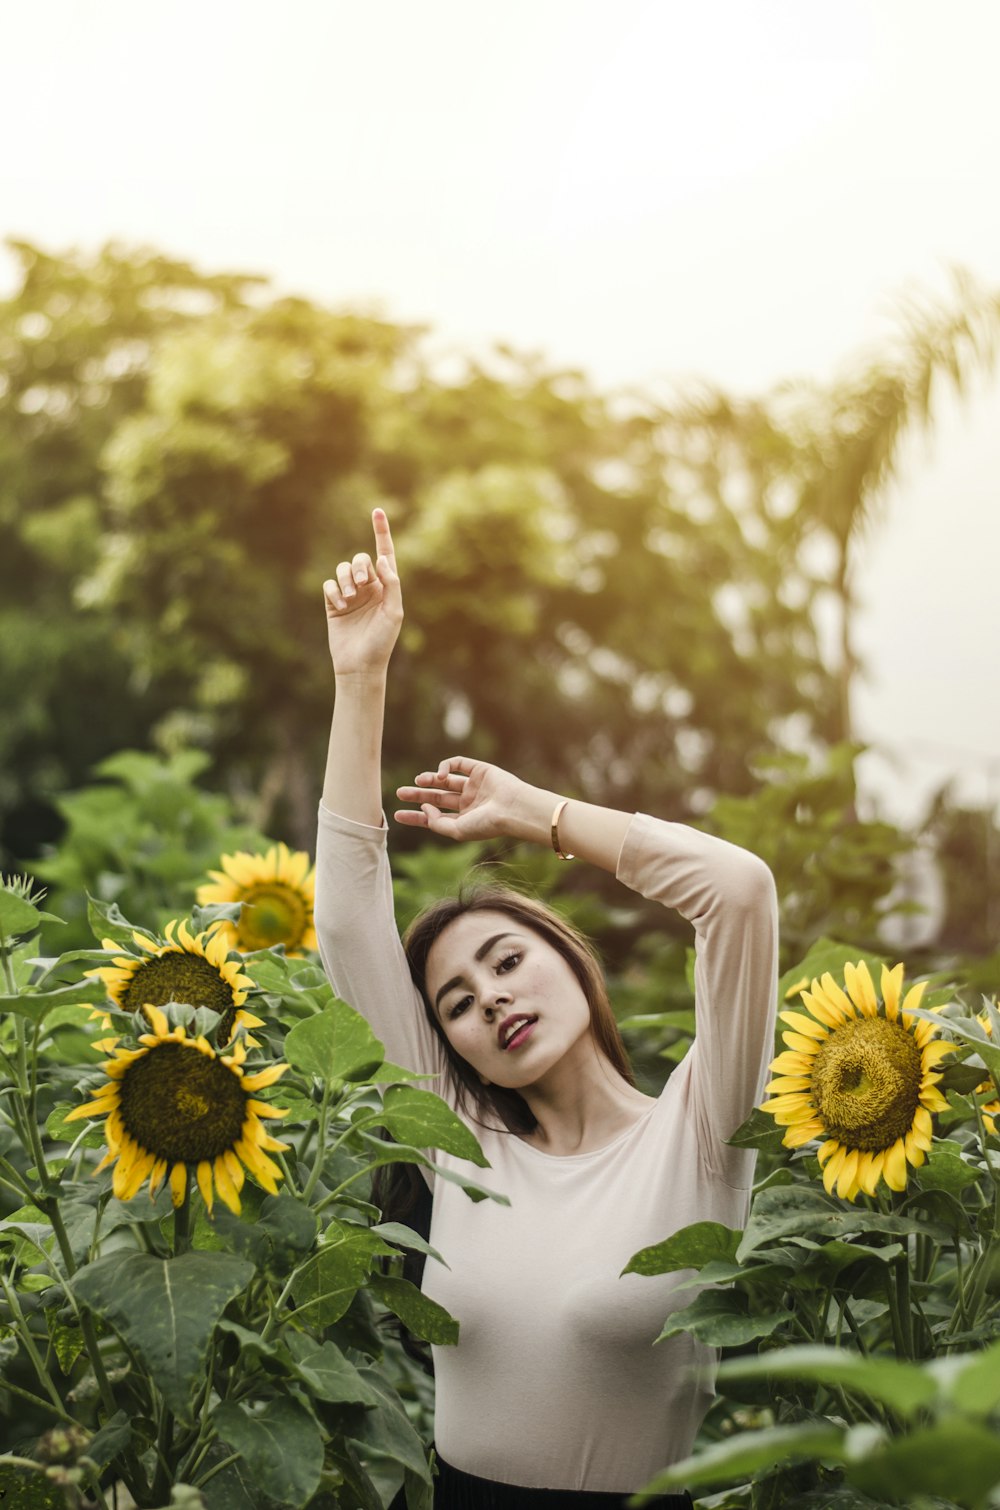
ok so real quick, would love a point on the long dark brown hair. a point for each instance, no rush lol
(399, 1189)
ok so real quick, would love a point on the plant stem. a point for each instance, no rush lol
(25, 1394)
(234, 1457)
(324, 1109)
(182, 1222)
(24, 1332)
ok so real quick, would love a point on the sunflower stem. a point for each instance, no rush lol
(324, 1111)
(855, 1330)
(182, 1222)
(8, 973)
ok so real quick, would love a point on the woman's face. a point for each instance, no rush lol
(507, 1001)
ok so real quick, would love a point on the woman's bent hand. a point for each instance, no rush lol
(465, 799)
(364, 607)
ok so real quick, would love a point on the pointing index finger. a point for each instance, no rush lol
(383, 536)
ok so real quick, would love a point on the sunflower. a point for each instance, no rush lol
(189, 968)
(277, 891)
(175, 1105)
(860, 1078)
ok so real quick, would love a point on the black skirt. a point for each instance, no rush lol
(455, 1490)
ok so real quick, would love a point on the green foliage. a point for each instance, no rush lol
(861, 1364)
(206, 1357)
(143, 838)
(834, 872)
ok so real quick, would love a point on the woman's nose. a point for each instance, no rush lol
(495, 1004)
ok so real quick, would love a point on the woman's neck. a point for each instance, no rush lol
(581, 1105)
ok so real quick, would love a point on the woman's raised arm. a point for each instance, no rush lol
(364, 611)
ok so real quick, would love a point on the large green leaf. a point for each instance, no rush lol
(744, 1454)
(954, 1458)
(722, 1318)
(690, 1248)
(327, 1283)
(799, 1210)
(402, 1236)
(327, 1373)
(423, 1120)
(971, 1383)
(165, 1309)
(335, 1044)
(905, 1387)
(36, 1005)
(281, 1445)
(380, 1152)
(386, 1431)
(421, 1315)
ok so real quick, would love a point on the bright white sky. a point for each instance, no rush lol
(649, 191)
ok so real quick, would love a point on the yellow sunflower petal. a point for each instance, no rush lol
(799, 1041)
(205, 1183)
(860, 988)
(803, 1024)
(224, 1185)
(892, 984)
(848, 1171)
(178, 1183)
(833, 1167)
(801, 1133)
(894, 1171)
(789, 1063)
(264, 1078)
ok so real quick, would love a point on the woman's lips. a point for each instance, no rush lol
(518, 1029)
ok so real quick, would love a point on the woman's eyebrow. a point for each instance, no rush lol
(481, 953)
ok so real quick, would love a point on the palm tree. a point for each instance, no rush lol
(850, 436)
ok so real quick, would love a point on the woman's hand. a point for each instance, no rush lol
(465, 799)
(364, 607)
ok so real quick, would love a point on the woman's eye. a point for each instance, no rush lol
(460, 1006)
(508, 959)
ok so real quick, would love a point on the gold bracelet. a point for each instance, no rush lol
(555, 830)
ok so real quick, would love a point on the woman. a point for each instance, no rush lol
(555, 1394)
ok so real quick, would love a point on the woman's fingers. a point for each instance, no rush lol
(421, 794)
(383, 536)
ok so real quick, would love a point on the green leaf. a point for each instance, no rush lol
(722, 1318)
(405, 1237)
(422, 1120)
(327, 1283)
(971, 1384)
(327, 1373)
(945, 1169)
(758, 1131)
(799, 1210)
(905, 1387)
(165, 1309)
(106, 921)
(283, 1230)
(29, 1489)
(418, 1313)
(390, 1074)
(281, 1445)
(381, 1153)
(36, 1005)
(386, 1431)
(66, 1339)
(113, 1437)
(690, 1248)
(335, 1044)
(954, 1458)
(17, 915)
(744, 1454)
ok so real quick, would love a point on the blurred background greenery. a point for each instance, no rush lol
(617, 600)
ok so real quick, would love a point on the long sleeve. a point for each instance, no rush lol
(360, 947)
(728, 895)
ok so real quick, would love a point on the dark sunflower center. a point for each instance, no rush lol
(178, 976)
(866, 1083)
(273, 913)
(180, 1105)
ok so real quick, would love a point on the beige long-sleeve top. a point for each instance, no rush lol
(555, 1381)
